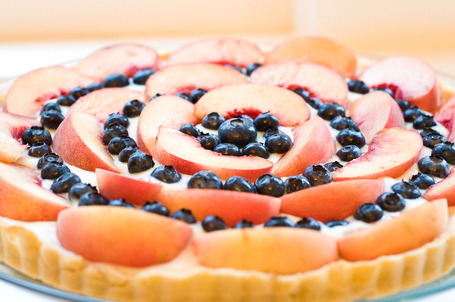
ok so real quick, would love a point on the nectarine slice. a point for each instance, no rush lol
(444, 188)
(126, 58)
(446, 116)
(167, 110)
(411, 79)
(271, 250)
(332, 201)
(254, 99)
(391, 152)
(23, 198)
(186, 77)
(318, 50)
(217, 50)
(187, 156)
(231, 206)
(406, 232)
(320, 81)
(122, 236)
(313, 144)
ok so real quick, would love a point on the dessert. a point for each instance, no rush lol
(224, 173)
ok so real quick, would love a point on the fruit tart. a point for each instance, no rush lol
(221, 172)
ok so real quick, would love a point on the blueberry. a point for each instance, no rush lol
(329, 111)
(368, 212)
(272, 131)
(433, 165)
(120, 203)
(349, 152)
(183, 96)
(93, 199)
(156, 207)
(305, 94)
(358, 86)
(39, 150)
(386, 90)
(279, 221)
(117, 144)
(213, 223)
(208, 141)
(432, 140)
(391, 202)
(64, 183)
(423, 121)
(252, 67)
(351, 137)
(66, 100)
(190, 129)
(242, 224)
(53, 170)
(244, 116)
(196, 94)
(213, 120)
(256, 149)
(184, 215)
(335, 223)
(155, 96)
(237, 131)
(126, 153)
(141, 76)
(341, 122)
(445, 150)
(317, 175)
(333, 166)
(429, 131)
(116, 118)
(167, 174)
(308, 223)
(205, 180)
(239, 184)
(296, 183)
(403, 105)
(412, 113)
(114, 130)
(407, 190)
(133, 108)
(269, 184)
(94, 86)
(140, 161)
(79, 92)
(266, 121)
(278, 143)
(116, 80)
(51, 119)
(422, 181)
(79, 189)
(49, 158)
(227, 149)
(50, 106)
(36, 135)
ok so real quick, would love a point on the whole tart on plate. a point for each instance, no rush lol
(224, 173)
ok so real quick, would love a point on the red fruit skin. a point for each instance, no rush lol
(231, 206)
(332, 201)
(444, 188)
(446, 116)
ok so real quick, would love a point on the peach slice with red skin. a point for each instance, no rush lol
(105, 101)
(78, 142)
(186, 77)
(277, 250)
(375, 111)
(411, 79)
(136, 191)
(122, 236)
(391, 152)
(320, 81)
(332, 201)
(23, 198)
(313, 144)
(167, 110)
(11, 129)
(125, 58)
(444, 188)
(231, 206)
(406, 232)
(187, 156)
(318, 50)
(252, 100)
(446, 116)
(30, 91)
(217, 50)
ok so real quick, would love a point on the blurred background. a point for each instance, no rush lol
(38, 33)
